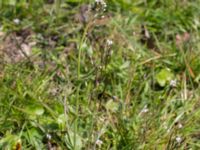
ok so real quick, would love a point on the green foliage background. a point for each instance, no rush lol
(88, 91)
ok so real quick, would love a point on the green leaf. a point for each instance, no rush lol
(33, 137)
(61, 121)
(11, 2)
(9, 141)
(70, 141)
(164, 76)
(35, 110)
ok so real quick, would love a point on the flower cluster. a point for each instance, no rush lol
(16, 21)
(178, 139)
(99, 142)
(173, 83)
(109, 42)
(101, 3)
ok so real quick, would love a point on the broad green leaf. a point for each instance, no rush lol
(70, 141)
(35, 110)
(61, 121)
(164, 76)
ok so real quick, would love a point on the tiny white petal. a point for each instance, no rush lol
(109, 42)
(180, 126)
(101, 2)
(48, 136)
(16, 21)
(144, 110)
(173, 83)
(99, 142)
(178, 139)
(168, 130)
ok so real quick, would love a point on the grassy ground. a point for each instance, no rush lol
(119, 75)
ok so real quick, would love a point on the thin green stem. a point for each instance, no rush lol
(78, 78)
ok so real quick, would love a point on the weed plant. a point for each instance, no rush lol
(117, 74)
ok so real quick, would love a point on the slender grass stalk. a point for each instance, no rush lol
(78, 78)
(57, 6)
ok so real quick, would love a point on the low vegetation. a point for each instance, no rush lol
(83, 74)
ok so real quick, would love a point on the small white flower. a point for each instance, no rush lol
(168, 130)
(16, 21)
(99, 142)
(178, 139)
(101, 2)
(48, 136)
(109, 42)
(173, 83)
(115, 97)
(180, 126)
(144, 110)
